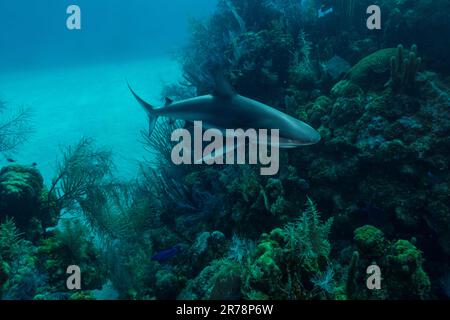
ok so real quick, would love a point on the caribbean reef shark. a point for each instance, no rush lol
(225, 109)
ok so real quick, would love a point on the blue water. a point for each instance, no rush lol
(75, 81)
(34, 32)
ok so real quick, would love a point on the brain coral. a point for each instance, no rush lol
(372, 68)
(21, 197)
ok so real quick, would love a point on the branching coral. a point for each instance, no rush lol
(240, 249)
(10, 239)
(293, 263)
(308, 237)
(404, 69)
(15, 127)
(302, 71)
(71, 245)
(85, 183)
(325, 282)
(82, 170)
(19, 278)
(119, 211)
(159, 144)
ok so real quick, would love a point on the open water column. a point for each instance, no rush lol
(74, 80)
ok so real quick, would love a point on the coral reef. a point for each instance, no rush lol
(403, 276)
(404, 69)
(380, 170)
(372, 70)
(289, 263)
(72, 245)
(23, 197)
(38, 271)
(379, 178)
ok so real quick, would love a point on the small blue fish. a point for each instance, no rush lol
(167, 254)
(433, 179)
(323, 11)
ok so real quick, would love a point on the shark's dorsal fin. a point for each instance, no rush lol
(168, 101)
(223, 88)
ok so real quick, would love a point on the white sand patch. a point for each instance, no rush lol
(91, 101)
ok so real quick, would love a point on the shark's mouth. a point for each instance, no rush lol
(285, 143)
(292, 143)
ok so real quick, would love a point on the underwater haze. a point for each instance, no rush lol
(74, 81)
(99, 200)
(34, 33)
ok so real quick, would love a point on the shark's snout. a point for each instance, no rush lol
(307, 135)
(315, 137)
(298, 133)
(305, 139)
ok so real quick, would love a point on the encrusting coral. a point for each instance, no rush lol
(403, 276)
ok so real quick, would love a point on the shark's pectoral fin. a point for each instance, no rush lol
(217, 154)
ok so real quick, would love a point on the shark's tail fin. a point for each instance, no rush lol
(152, 116)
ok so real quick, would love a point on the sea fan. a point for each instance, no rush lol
(11, 241)
(240, 249)
(325, 282)
(15, 127)
(308, 237)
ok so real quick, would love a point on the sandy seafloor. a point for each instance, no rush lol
(93, 101)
